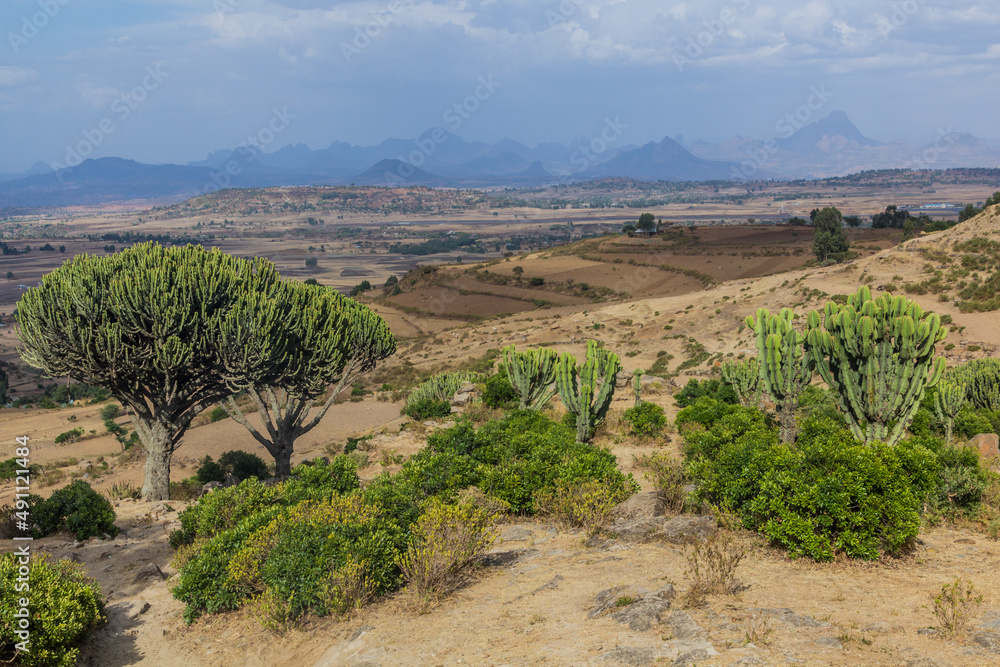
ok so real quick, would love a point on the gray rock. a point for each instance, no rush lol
(231, 480)
(926, 662)
(685, 529)
(647, 505)
(786, 615)
(929, 632)
(647, 612)
(508, 557)
(138, 610)
(551, 586)
(991, 626)
(631, 655)
(211, 486)
(360, 631)
(607, 600)
(637, 530)
(684, 627)
(694, 657)
(829, 642)
(72, 556)
(147, 572)
(516, 534)
(988, 640)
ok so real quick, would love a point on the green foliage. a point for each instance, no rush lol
(785, 367)
(243, 465)
(427, 408)
(498, 392)
(826, 495)
(982, 380)
(441, 387)
(646, 419)
(321, 481)
(76, 508)
(69, 436)
(218, 414)
(588, 393)
(713, 388)
(210, 471)
(829, 238)
(111, 411)
(9, 468)
(744, 378)
(532, 374)
(948, 400)
(64, 604)
(878, 355)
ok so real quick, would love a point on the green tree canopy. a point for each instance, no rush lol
(150, 325)
(829, 237)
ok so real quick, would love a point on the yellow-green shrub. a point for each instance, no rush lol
(64, 604)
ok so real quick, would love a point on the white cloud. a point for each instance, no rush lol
(15, 77)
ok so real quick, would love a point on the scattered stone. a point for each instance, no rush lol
(142, 609)
(231, 480)
(987, 444)
(551, 586)
(684, 529)
(509, 557)
(607, 600)
(631, 655)
(84, 465)
(965, 540)
(930, 632)
(988, 640)
(78, 544)
(829, 642)
(72, 556)
(360, 631)
(786, 615)
(636, 530)
(992, 626)
(149, 571)
(647, 505)
(684, 627)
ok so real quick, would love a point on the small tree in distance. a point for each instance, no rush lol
(829, 238)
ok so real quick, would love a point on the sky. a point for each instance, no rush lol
(170, 80)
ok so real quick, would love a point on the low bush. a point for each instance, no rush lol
(210, 471)
(713, 388)
(69, 436)
(668, 477)
(111, 411)
(241, 465)
(498, 393)
(448, 540)
(218, 414)
(427, 408)
(828, 494)
(646, 419)
(63, 603)
(580, 504)
(76, 508)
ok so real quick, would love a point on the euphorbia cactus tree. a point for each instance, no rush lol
(531, 374)
(149, 324)
(878, 357)
(744, 378)
(785, 368)
(588, 393)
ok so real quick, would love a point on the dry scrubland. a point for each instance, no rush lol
(533, 605)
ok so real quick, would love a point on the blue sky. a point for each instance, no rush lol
(169, 80)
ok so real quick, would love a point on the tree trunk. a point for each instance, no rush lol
(281, 450)
(788, 430)
(158, 450)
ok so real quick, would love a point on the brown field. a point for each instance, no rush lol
(534, 610)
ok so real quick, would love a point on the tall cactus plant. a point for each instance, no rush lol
(588, 393)
(948, 400)
(637, 386)
(744, 378)
(982, 380)
(532, 374)
(784, 367)
(878, 356)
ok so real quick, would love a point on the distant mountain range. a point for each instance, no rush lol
(829, 146)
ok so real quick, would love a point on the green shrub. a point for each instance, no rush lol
(828, 494)
(498, 393)
(76, 508)
(970, 421)
(111, 411)
(186, 489)
(218, 414)
(210, 471)
(222, 509)
(646, 419)
(64, 604)
(321, 481)
(714, 388)
(69, 436)
(243, 465)
(705, 410)
(427, 408)
(9, 468)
